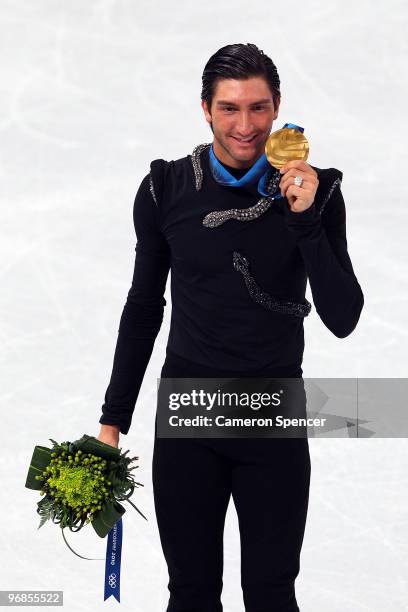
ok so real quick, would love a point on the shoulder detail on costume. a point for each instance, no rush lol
(329, 180)
(156, 178)
(196, 163)
(160, 171)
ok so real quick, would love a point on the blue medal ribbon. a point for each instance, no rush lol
(293, 125)
(260, 172)
(222, 176)
(112, 561)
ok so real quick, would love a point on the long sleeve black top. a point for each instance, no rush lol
(215, 316)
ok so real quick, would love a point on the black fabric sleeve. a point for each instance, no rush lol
(142, 314)
(321, 238)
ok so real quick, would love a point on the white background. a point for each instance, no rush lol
(91, 92)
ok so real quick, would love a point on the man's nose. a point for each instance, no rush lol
(244, 125)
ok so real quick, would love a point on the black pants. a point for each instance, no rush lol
(193, 479)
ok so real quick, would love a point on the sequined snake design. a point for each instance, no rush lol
(218, 217)
(240, 263)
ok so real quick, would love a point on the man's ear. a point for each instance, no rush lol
(276, 106)
(205, 109)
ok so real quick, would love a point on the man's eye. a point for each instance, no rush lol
(230, 108)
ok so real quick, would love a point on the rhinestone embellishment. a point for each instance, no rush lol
(218, 217)
(241, 264)
(195, 159)
(326, 199)
(151, 187)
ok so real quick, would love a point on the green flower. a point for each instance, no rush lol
(75, 485)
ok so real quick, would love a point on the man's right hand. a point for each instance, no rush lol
(109, 434)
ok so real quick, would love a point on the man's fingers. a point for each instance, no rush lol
(288, 180)
(300, 165)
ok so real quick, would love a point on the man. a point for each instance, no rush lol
(240, 259)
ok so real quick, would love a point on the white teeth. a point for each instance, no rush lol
(245, 139)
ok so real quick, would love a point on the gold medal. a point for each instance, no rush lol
(285, 145)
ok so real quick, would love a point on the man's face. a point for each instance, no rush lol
(240, 109)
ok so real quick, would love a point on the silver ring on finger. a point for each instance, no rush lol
(298, 181)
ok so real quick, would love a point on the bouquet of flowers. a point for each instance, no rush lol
(83, 482)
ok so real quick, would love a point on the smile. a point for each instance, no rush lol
(244, 141)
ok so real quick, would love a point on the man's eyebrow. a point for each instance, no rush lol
(263, 101)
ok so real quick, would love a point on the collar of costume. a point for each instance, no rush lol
(259, 173)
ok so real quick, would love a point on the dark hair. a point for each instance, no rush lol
(239, 61)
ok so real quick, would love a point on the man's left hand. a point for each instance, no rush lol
(299, 198)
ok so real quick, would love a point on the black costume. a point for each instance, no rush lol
(238, 285)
